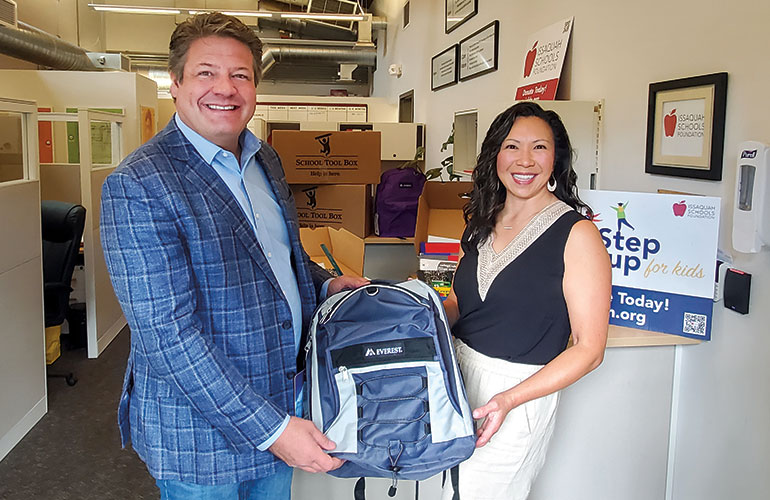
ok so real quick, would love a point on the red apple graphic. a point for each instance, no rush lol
(530, 60)
(680, 208)
(669, 123)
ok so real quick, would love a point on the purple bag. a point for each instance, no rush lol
(396, 200)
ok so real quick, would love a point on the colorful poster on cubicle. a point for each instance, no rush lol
(543, 60)
(663, 250)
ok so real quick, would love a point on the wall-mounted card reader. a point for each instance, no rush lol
(737, 290)
(751, 212)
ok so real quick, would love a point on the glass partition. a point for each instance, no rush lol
(11, 146)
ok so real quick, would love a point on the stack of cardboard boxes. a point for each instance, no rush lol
(331, 176)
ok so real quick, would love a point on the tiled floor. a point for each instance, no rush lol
(74, 452)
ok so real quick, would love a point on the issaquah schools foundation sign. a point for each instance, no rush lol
(663, 250)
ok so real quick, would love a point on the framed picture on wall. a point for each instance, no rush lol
(443, 68)
(686, 127)
(457, 12)
(478, 52)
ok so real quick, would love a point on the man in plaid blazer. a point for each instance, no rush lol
(201, 240)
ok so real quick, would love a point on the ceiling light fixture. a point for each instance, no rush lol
(130, 9)
(322, 17)
(245, 13)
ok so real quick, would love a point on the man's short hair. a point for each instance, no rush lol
(211, 24)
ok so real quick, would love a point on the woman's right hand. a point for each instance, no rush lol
(493, 413)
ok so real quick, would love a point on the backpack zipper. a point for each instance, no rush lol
(334, 309)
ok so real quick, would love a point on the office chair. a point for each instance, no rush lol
(62, 230)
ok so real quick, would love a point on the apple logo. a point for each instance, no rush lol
(679, 208)
(530, 60)
(669, 123)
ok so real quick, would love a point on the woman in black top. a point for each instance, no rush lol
(534, 271)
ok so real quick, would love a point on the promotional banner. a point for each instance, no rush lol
(543, 62)
(663, 250)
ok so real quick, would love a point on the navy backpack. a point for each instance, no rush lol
(384, 385)
(395, 204)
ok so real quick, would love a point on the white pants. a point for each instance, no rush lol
(507, 465)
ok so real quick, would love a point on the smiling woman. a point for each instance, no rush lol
(534, 273)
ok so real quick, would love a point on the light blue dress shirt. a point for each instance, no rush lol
(251, 188)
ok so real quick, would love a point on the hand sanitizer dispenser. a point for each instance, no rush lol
(751, 213)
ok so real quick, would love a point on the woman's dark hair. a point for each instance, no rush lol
(488, 195)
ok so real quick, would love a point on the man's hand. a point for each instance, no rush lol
(301, 445)
(345, 283)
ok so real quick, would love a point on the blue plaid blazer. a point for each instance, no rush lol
(212, 357)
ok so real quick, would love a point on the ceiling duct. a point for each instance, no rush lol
(299, 52)
(310, 28)
(272, 54)
(43, 49)
(318, 29)
(302, 3)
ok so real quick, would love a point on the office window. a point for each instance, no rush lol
(11, 146)
(406, 107)
(466, 131)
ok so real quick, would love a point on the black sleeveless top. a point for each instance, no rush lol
(512, 304)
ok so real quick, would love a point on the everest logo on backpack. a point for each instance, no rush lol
(384, 385)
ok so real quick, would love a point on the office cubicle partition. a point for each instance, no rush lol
(100, 149)
(23, 395)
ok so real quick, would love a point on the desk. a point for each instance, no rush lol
(620, 336)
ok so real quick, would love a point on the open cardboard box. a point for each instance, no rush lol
(317, 157)
(346, 248)
(440, 211)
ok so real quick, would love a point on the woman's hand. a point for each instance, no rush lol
(493, 413)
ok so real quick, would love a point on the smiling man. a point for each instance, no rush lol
(201, 240)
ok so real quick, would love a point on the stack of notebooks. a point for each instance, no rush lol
(438, 261)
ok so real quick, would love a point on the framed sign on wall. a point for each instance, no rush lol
(457, 12)
(686, 127)
(478, 52)
(443, 69)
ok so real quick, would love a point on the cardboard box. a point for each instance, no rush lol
(313, 157)
(347, 206)
(346, 248)
(440, 211)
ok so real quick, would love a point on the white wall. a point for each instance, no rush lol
(722, 441)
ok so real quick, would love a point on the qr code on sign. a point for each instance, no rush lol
(694, 324)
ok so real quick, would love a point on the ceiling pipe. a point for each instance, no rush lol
(44, 50)
(366, 56)
(309, 28)
(303, 3)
